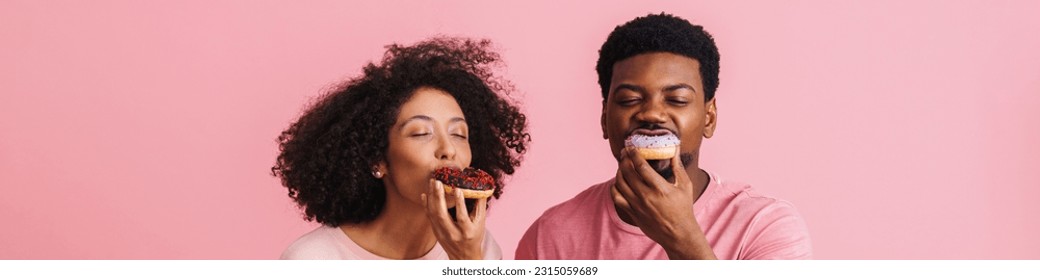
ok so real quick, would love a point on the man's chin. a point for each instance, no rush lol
(663, 167)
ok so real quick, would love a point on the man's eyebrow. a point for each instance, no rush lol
(679, 86)
(631, 87)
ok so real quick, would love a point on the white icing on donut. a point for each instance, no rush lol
(652, 141)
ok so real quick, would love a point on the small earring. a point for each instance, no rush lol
(377, 174)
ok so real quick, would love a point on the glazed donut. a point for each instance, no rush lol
(653, 147)
(474, 183)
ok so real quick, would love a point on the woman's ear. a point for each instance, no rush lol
(379, 170)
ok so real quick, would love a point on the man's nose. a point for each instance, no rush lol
(652, 112)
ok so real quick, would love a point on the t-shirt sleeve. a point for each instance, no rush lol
(778, 232)
(491, 249)
(527, 248)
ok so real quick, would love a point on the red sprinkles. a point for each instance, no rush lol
(469, 178)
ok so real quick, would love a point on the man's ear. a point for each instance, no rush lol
(711, 118)
(603, 119)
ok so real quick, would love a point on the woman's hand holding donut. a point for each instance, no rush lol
(462, 238)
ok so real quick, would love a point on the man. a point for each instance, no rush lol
(658, 76)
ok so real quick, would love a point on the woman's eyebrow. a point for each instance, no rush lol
(414, 118)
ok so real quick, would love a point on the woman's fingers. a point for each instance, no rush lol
(481, 210)
(462, 237)
(436, 207)
(461, 213)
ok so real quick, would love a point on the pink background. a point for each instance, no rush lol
(136, 130)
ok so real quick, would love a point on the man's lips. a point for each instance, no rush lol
(651, 132)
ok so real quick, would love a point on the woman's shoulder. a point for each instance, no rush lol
(322, 243)
(491, 249)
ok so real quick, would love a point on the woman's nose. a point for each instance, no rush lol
(445, 148)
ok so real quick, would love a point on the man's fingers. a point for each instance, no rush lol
(621, 184)
(640, 165)
(622, 206)
(647, 175)
(630, 173)
(681, 178)
(619, 200)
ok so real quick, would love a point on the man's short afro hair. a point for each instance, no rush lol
(660, 33)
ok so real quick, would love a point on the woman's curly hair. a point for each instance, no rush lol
(327, 155)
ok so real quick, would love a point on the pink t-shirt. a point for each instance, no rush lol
(738, 222)
(330, 243)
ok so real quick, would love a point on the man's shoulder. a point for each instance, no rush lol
(750, 202)
(743, 194)
(578, 206)
(564, 225)
(772, 227)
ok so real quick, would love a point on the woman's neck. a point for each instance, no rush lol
(401, 231)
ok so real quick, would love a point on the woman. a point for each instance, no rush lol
(359, 160)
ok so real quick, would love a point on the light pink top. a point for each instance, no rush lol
(330, 243)
(738, 222)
